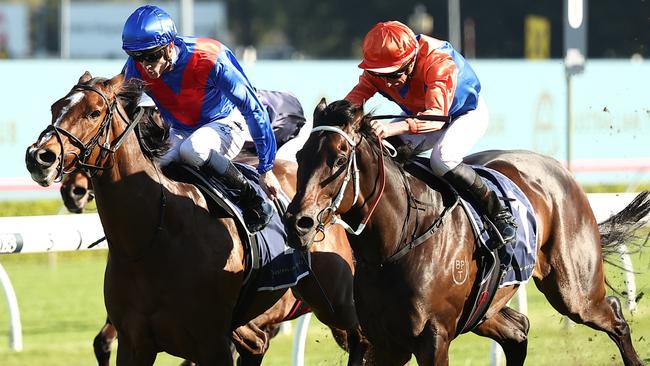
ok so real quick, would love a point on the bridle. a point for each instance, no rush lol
(108, 148)
(352, 172)
(85, 149)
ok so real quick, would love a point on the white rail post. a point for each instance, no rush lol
(302, 326)
(15, 327)
(628, 272)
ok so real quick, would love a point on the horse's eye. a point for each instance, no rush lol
(95, 114)
(341, 160)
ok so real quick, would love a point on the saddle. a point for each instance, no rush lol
(269, 264)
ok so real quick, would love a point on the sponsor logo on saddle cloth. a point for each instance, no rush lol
(518, 262)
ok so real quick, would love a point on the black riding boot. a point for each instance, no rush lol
(465, 179)
(257, 212)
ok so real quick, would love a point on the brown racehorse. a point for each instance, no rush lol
(413, 305)
(252, 340)
(175, 269)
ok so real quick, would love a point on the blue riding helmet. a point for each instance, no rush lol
(147, 28)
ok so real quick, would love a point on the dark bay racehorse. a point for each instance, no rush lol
(175, 269)
(412, 305)
(252, 339)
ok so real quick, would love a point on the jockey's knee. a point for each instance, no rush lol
(169, 157)
(192, 156)
(440, 163)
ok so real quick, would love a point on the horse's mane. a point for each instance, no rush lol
(152, 131)
(342, 113)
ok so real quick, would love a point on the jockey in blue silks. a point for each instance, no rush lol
(202, 91)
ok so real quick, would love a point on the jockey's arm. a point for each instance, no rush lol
(361, 92)
(237, 88)
(239, 91)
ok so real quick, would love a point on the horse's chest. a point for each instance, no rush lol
(389, 303)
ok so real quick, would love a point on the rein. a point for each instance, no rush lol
(85, 149)
(423, 117)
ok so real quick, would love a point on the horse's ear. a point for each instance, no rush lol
(116, 82)
(358, 118)
(320, 108)
(84, 78)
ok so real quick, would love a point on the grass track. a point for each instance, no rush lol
(60, 297)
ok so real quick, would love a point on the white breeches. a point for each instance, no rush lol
(450, 145)
(225, 136)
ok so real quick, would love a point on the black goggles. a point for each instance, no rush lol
(392, 75)
(147, 55)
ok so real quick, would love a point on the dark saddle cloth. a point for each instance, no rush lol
(271, 264)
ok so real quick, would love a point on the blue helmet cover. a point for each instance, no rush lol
(148, 27)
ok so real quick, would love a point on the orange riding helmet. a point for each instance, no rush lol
(387, 47)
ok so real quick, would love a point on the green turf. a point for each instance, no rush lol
(61, 308)
(60, 297)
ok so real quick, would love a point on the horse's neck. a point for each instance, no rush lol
(129, 198)
(388, 223)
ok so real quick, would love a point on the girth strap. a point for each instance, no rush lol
(437, 223)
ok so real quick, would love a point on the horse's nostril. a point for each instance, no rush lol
(305, 223)
(45, 157)
(79, 191)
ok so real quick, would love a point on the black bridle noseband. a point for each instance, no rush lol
(85, 149)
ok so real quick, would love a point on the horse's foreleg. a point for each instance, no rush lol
(103, 342)
(129, 356)
(251, 343)
(432, 346)
(509, 328)
(216, 351)
(357, 346)
(329, 293)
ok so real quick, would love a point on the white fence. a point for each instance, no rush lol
(77, 232)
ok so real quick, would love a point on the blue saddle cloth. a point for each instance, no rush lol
(280, 265)
(518, 262)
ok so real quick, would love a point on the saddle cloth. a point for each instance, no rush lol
(518, 261)
(274, 265)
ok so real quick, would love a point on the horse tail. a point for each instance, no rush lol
(623, 227)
